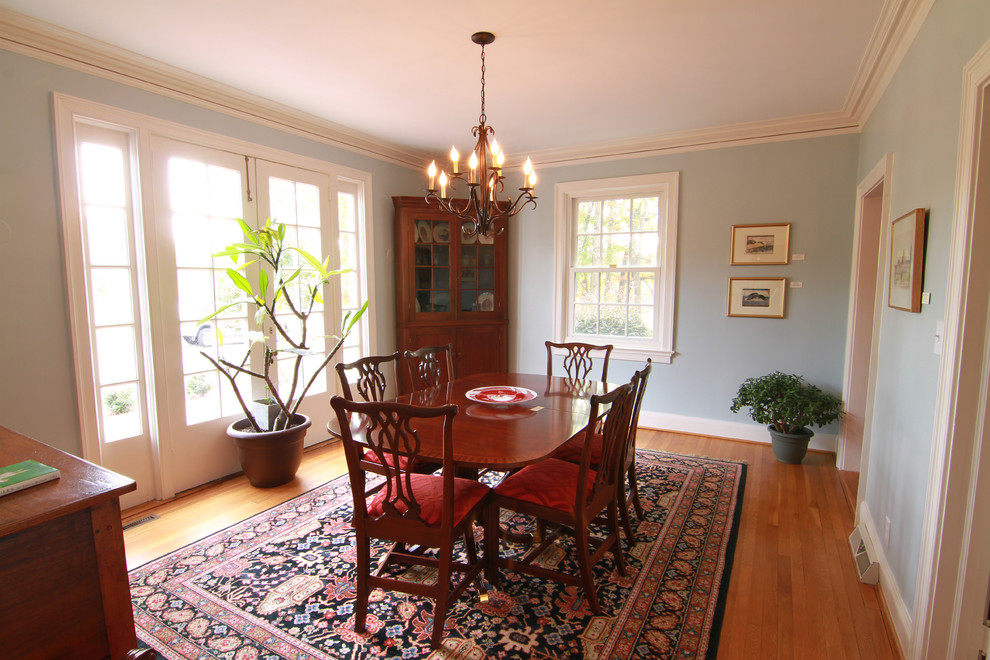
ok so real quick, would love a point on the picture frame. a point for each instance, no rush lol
(760, 297)
(760, 244)
(907, 261)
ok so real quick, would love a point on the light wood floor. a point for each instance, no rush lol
(793, 591)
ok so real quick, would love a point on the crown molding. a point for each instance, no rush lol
(44, 41)
(898, 25)
(775, 130)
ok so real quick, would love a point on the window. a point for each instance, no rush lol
(616, 263)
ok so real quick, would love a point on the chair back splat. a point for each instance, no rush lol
(579, 359)
(370, 376)
(405, 508)
(430, 366)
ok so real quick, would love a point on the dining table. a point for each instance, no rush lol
(505, 420)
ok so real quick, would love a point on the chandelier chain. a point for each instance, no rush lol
(482, 118)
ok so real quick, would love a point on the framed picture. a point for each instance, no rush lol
(907, 261)
(759, 244)
(757, 296)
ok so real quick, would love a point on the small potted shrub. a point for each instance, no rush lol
(269, 438)
(788, 406)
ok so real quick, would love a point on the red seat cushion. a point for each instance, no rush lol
(428, 491)
(372, 457)
(571, 450)
(551, 483)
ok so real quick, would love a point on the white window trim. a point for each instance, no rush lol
(661, 349)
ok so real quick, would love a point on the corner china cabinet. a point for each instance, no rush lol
(450, 287)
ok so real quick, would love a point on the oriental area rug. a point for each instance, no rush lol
(281, 585)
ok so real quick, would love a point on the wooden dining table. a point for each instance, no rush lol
(506, 436)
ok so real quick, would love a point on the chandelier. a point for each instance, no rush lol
(484, 206)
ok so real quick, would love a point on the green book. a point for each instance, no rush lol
(24, 475)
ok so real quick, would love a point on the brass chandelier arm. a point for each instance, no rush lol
(483, 216)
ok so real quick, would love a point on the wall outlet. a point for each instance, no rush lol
(886, 531)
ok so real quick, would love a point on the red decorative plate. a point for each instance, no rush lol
(500, 394)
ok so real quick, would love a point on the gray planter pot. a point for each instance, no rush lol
(790, 447)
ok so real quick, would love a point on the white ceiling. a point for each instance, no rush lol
(561, 73)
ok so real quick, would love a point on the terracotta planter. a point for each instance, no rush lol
(270, 458)
(790, 447)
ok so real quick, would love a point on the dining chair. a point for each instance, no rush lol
(579, 359)
(573, 448)
(408, 510)
(569, 496)
(430, 366)
(372, 376)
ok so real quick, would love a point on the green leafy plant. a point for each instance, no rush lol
(197, 387)
(291, 290)
(119, 402)
(786, 403)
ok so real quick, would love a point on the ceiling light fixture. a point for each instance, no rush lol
(483, 208)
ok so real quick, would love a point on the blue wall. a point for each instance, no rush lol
(809, 183)
(917, 120)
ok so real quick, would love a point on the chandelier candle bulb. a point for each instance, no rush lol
(473, 164)
(454, 158)
(443, 183)
(432, 171)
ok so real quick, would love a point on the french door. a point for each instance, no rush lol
(146, 205)
(199, 195)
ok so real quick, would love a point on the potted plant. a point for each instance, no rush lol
(788, 406)
(289, 283)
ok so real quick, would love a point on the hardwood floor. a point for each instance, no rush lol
(793, 591)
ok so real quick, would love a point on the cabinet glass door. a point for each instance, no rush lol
(432, 261)
(477, 273)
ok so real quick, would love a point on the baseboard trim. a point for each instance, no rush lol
(896, 610)
(825, 442)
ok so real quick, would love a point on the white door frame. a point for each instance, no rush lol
(960, 413)
(865, 284)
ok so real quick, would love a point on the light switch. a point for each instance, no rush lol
(926, 298)
(939, 331)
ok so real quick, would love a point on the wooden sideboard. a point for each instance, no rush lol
(63, 574)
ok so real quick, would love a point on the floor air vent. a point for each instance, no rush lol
(862, 549)
(140, 521)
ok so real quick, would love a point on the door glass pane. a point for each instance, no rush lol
(206, 200)
(121, 414)
(106, 230)
(103, 180)
(116, 354)
(112, 301)
(432, 253)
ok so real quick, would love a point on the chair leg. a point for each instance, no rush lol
(613, 524)
(363, 561)
(584, 562)
(491, 544)
(624, 516)
(443, 594)
(634, 489)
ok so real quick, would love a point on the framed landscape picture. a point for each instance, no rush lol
(907, 261)
(759, 244)
(757, 296)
